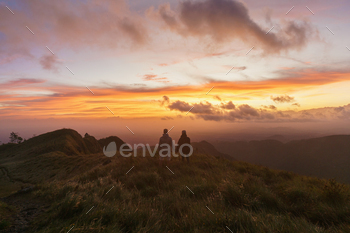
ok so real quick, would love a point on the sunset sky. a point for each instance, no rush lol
(264, 64)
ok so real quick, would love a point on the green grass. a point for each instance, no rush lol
(5, 212)
(243, 197)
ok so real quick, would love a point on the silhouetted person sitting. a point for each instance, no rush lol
(184, 150)
(163, 142)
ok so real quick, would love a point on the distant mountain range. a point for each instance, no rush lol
(324, 157)
(205, 147)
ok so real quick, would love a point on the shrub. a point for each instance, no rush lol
(234, 196)
(70, 206)
(203, 190)
(335, 193)
(141, 180)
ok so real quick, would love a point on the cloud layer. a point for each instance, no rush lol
(229, 112)
(73, 25)
(282, 99)
(229, 101)
(153, 77)
(225, 20)
(49, 62)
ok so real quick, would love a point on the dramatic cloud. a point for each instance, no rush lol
(228, 105)
(247, 110)
(282, 99)
(272, 107)
(49, 62)
(207, 111)
(39, 99)
(165, 100)
(217, 97)
(244, 112)
(201, 108)
(339, 109)
(89, 24)
(224, 20)
(180, 106)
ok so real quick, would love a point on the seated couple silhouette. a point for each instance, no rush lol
(182, 147)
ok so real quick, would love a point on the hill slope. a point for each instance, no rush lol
(135, 194)
(44, 157)
(105, 141)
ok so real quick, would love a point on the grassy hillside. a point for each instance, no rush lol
(211, 194)
(326, 157)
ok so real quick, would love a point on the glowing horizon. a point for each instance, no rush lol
(152, 60)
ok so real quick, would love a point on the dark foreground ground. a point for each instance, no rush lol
(92, 193)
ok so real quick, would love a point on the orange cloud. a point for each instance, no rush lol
(282, 99)
(153, 77)
(36, 98)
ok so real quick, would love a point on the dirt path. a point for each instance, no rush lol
(5, 172)
(26, 210)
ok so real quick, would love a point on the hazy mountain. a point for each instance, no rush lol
(326, 157)
(205, 147)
